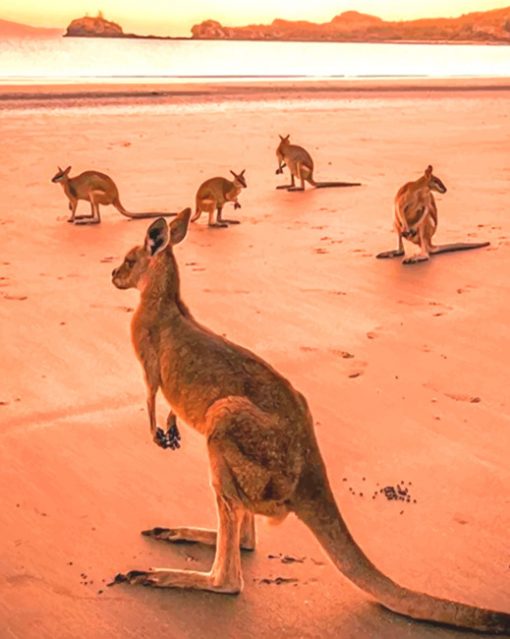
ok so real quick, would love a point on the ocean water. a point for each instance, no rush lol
(26, 61)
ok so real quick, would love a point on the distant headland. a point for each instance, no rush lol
(99, 27)
(350, 26)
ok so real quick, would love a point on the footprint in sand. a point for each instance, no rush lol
(308, 349)
(278, 581)
(320, 251)
(357, 370)
(340, 353)
(17, 298)
(106, 260)
(459, 397)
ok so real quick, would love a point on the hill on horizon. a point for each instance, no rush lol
(9, 29)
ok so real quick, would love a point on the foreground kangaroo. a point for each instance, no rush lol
(263, 453)
(96, 188)
(300, 165)
(214, 193)
(416, 220)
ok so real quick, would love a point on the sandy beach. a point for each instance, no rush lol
(405, 368)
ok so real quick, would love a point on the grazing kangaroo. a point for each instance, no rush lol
(214, 194)
(416, 220)
(300, 165)
(96, 188)
(264, 456)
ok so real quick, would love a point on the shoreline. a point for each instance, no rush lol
(13, 94)
(134, 36)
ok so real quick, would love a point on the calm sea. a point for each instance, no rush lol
(25, 61)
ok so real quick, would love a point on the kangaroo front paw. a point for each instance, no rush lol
(237, 205)
(409, 233)
(171, 439)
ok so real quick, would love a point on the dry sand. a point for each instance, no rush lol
(423, 399)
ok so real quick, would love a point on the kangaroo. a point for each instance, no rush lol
(96, 188)
(264, 456)
(300, 165)
(416, 220)
(214, 194)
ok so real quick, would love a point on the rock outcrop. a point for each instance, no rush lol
(352, 26)
(95, 27)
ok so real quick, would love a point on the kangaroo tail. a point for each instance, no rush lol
(329, 185)
(320, 513)
(459, 246)
(140, 216)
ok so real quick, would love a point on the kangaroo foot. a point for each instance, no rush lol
(414, 259)
(85, 220)
(284, 186)
(218, 225)
(191, 536)
(231, 221)
(178, 579)
(388, 254)
(182, 535)
(296, 188)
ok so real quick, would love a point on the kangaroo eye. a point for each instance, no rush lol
(130, 263)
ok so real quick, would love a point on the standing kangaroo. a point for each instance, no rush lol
(416, 220)
(300, 165)
(96, 188)
(263, 453)
(215, 193)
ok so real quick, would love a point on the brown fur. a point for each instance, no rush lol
(214, 193)
(96, 188)
(300, 165)
(263, 453)
(416, 220)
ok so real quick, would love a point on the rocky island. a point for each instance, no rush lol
(99, 27)
(350, 26)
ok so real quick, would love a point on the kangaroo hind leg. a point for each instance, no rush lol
(203, 536)
(292, 184)
(399, 252)
(300, 175)
(225, 575)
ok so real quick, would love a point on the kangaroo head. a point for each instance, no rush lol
(61, 174)
(284, 141)
(239, 179)
(434, 183)
(141, 263)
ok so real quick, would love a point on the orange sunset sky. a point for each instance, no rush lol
(163, 17)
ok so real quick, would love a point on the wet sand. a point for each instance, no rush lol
(405, 368)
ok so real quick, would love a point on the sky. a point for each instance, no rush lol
(164, 17)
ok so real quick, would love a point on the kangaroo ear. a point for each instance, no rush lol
(179, 226)
(242, 172)
(281, 137)
(157, 236)
(67, 170)
(60, 169)
(428, 171)
(233, 173)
